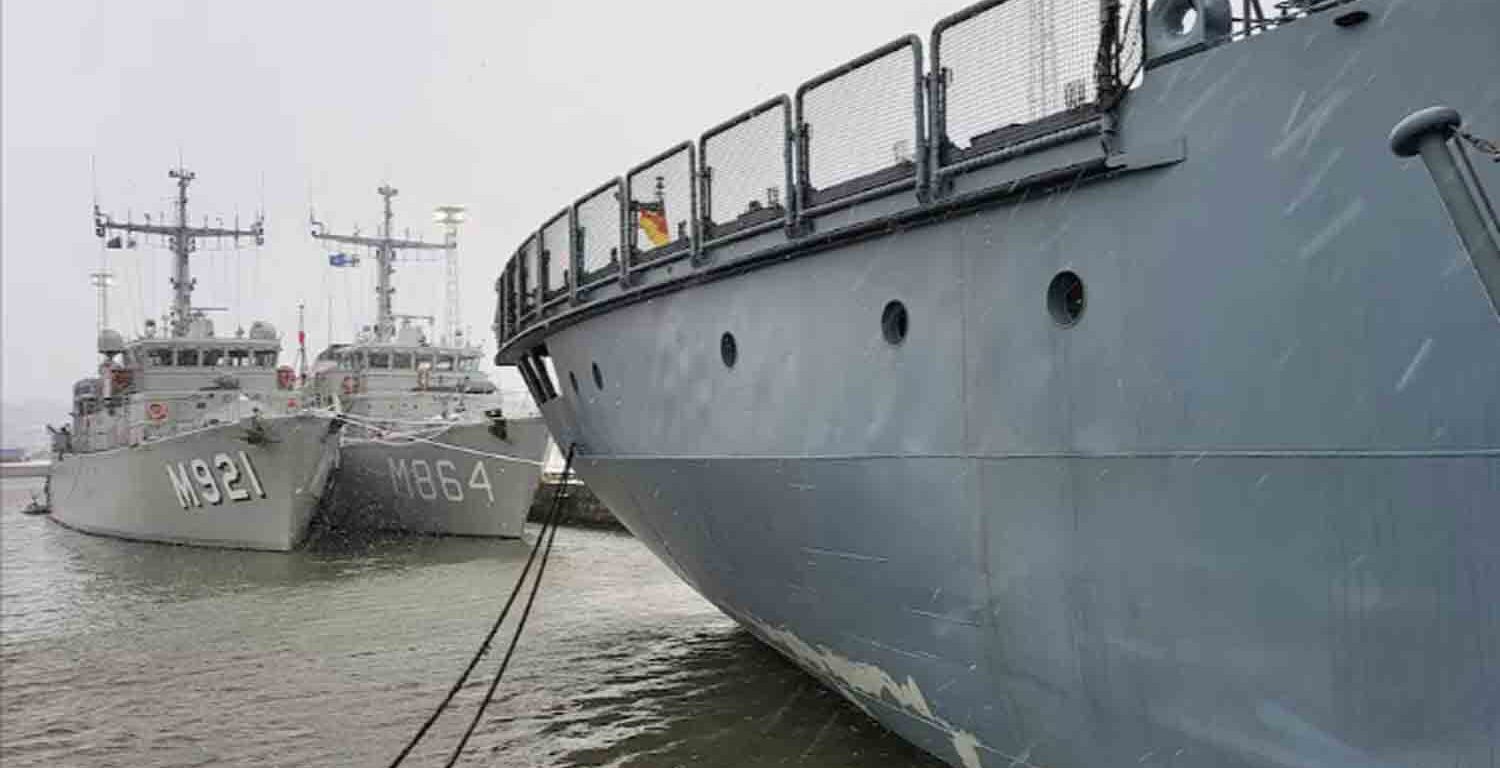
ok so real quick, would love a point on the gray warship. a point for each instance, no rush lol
(186, 436)
(426, 445)
(1081, 384)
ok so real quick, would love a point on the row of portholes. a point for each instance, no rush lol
(1065, 303)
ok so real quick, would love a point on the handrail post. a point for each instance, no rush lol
(1426, 133)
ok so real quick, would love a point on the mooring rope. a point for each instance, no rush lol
(548, 532)
(399, 439)
(514, 639)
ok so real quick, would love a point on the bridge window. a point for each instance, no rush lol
(265, 359)
(213, 356)
(444, 363)
(238, 358)
(401, 361)
(187, 357)
(159, 357)
(380, 360)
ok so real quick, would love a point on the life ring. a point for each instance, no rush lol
(156, 411)
(119, 379)
(348, 385)
(424, 378)
(285, 377)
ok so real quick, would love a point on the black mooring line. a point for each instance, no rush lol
(548, 532)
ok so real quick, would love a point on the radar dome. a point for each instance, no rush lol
(261, 330)
(111, 342)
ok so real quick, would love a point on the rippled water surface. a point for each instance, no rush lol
(128, 654)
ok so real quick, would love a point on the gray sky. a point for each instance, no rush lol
(512, 109)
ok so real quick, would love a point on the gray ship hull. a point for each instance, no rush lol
(1245, 513)
(463, 481)
(209, 487)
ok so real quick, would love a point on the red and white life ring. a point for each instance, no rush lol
(286, 378)
(156, 411)
(348, 385)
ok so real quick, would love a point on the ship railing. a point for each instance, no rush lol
(529, 272)
(746, 181)
(661, 222)
(860, 130)
(1006, 78)
(556, 242)
(598, 227)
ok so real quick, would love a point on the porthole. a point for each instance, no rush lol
(598, 377)
(1182, 18)
(574, 381)
(729, 351)
(893, 322)
(1066, 299)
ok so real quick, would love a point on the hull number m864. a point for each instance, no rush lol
(197, 481)
(420, 479)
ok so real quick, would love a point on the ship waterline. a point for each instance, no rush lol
(213, 487)
(1176, 445)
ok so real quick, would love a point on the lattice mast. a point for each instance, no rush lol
(450, 216)
(183, 241)
(385, 247)
(102, 281)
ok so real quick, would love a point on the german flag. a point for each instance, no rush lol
(652, 219)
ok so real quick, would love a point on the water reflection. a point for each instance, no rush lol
(144, 654)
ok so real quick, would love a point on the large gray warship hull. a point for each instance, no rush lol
(208, 487)
(464, 480)
(1245, 511)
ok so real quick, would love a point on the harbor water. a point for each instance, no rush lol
(120, 653)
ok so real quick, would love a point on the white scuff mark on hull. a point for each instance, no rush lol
(1327, 234)
(1310, 127)
(872, 681)
(1415, 364)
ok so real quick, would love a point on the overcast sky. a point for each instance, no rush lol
(510, 108)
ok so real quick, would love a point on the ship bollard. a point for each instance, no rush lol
(1428, 133)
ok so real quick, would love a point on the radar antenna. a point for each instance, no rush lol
(183, 240)
(385, 247)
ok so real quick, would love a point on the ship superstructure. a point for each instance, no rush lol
(184, 435)
(428, 446)
(1078, 385)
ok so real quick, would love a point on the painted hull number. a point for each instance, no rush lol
(421, 479)
(197, 482)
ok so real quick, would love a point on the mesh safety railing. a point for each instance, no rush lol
(502, 305)
(1002, 74)
(529, 257)
(746, 163)
(662, 203)
(861, 124)
(557, 255)
(1011, 70)
(597, 239)
(506, 314)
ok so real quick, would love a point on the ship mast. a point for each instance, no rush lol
(183, 239)
(450, 216)
(385, 255)
(301, 343)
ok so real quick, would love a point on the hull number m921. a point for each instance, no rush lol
(197, 481)
(419, 479)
